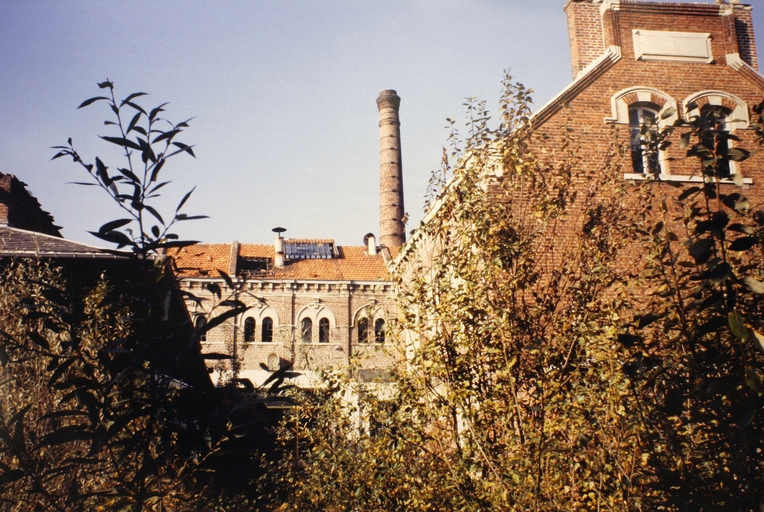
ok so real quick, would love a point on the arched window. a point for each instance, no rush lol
(715, 135)
(323, 330)
(363, 330)
(643, 121)
(379, 330)
(200, 322)
(249, 329)
(306, 333)
(267, 329)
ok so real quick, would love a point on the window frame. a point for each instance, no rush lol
(324, 330)
(249, 331)
(266, 327)
(306, 330)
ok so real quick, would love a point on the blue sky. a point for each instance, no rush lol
(283, 94)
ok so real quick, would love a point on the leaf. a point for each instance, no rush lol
(223, 317)
(737, 325)
(743, 243)
(91, 101)
(688, 192)
(39, 340)
(737, 202)
(121, 141)
(135, 106)
(214, 289)
(720, 273)
(166, 135)
(185, 148)
(757, 337)
(133, 96)
(155, 172)
(738, 154)
(701, 249)
(106, 84)
(65, 435)
(755, 286)
(154, 213)
(185, 198)
(226, 278)
(156, 111)
(115, 224)
(684, 141)
(133, 122)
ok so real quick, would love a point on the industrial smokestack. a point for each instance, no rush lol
(392, 231)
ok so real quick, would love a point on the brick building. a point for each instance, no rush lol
(633, 61)
(313, 304)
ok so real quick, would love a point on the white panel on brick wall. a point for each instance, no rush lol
(674, 46)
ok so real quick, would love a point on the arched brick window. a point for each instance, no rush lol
(715, 120)
(323, 330)
(306, 330)
(200, 322)
(363, 330)
(249, 329)
(267, 329)
(643, 120)
(379, 331)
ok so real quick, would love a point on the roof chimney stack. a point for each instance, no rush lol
(392, 231)
(278, 247)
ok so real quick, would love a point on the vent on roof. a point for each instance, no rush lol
(309, 249)
(254, 267)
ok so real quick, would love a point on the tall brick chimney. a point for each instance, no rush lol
(392, 230)
(584, 32)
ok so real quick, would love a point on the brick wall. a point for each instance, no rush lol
(584, 33)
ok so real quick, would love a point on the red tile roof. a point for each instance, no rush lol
(352, 264)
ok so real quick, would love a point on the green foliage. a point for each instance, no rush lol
(148, 142)
(694, 360)
(542, 371)
(106, 400)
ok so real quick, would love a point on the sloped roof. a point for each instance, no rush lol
(352, 264)
(19, 242)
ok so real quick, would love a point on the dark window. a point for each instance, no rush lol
(254, 267)
(267, 329)
(363, 330)
(379, 331)
(642, 122)
(199, 323)
(307, 330)
(323, 330)
(249, 329)
(715, 136)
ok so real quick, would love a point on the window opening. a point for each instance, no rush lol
(249, 329)
(379, 331)
(267, 330)
(363, 330)
(643, 121)
(200, 322)
(307, 330)
(715, 136)
(254, 267)
(323, 330)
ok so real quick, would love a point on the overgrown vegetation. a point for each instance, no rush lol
(537, 371)
(106, 401)
(540, 374)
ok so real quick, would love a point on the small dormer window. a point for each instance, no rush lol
(254, 267)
